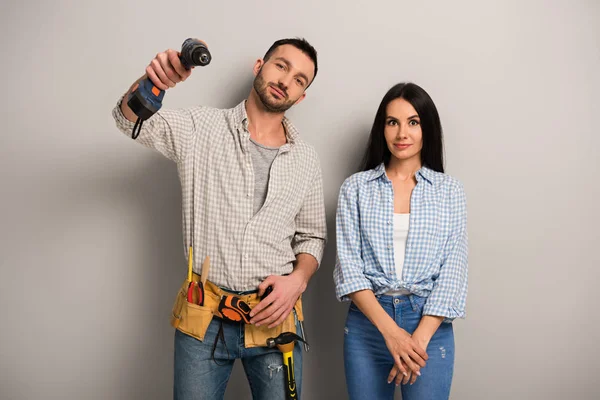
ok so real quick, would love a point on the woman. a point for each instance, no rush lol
(402, 255)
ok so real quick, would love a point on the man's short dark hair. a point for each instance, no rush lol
(299, 43)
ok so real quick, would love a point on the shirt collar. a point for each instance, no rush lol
(240, 118)
(429, 175)
(376, 172)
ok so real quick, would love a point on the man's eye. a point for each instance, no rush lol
(300, 82)
(280, 66)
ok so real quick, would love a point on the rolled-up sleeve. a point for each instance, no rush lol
(449, 294)
(349, 269)
(311, 222)
(169, 132)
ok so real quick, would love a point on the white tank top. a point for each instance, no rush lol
(401, 222)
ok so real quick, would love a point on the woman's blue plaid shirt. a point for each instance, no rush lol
(435, 264)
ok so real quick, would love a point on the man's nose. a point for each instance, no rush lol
(285, 80)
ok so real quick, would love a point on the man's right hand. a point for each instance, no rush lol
(165, 70)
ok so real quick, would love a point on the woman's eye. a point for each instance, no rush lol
(392, 122)
(414, 122)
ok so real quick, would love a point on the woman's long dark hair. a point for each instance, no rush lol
(432, 153)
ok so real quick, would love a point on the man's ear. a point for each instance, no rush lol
(258, 66)
(301, 98)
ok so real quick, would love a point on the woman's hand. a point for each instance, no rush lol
(421, 336)
(409, 357)
(401, 378)
(410, 377)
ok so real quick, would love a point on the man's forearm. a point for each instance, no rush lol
(130, 115)
(305, 267)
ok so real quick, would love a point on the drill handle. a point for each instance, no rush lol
(146, 99)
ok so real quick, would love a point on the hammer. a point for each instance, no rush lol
(285, 343)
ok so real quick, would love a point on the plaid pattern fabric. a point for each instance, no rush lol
(213, 145)
(435, 264)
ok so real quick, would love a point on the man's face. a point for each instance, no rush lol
(281, 81)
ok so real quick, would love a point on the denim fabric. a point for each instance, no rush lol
(199, 377)
(368, 362)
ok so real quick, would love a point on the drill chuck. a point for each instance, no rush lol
(194, 53)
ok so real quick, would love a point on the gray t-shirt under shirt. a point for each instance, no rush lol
(262, 158)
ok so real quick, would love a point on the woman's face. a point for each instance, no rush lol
(403, 130)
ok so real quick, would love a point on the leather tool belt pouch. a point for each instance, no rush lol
(193, 319)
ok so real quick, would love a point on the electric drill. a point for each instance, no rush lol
(146, 99)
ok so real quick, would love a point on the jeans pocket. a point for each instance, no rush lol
(418, 303)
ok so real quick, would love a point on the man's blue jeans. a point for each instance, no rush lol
(368, 362)
(199, 377)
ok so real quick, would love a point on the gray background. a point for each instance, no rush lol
(91, 249)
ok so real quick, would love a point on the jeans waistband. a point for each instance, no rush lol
(412, 299)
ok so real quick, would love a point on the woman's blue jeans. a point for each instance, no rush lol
(368, 362)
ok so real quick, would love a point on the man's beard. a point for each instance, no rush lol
(270, 104)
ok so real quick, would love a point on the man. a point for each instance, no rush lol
(253, 198)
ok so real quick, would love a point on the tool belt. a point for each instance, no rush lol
(193, 319)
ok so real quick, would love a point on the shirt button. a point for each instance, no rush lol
(245, 256)
(389, 246)
(389, 222)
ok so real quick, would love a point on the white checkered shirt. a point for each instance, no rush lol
(244, 247)
(435, 264)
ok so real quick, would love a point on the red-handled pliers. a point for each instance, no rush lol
(198, 288)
